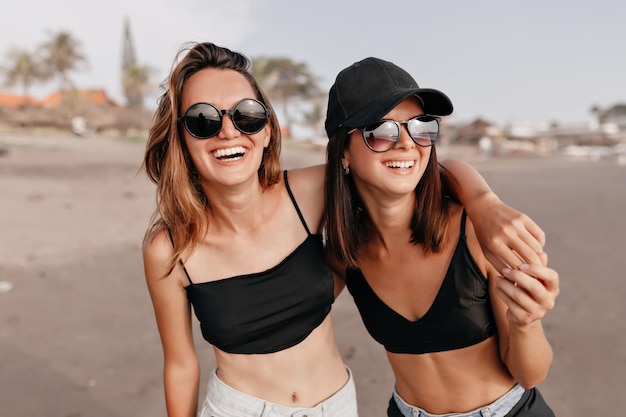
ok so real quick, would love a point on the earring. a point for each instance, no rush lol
(346, 169)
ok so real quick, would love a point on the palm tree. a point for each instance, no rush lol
(136, 82)
(135, 77)
(285, 81)
(62, 55)
(24, 69)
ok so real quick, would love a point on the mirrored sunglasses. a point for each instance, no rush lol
(383, 135)
(204, 120)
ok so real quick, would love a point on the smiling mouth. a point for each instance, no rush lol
(400, 164)
(230, 154)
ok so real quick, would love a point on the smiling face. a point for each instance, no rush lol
(395, 172)
(230, 157)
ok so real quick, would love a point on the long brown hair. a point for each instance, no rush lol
(181, 204)
(347, 220)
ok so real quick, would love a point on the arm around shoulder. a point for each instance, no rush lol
(507, 236)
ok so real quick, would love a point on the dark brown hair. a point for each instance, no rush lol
(347, 220)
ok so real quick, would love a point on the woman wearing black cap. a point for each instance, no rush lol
(462, 336)
(238, 242)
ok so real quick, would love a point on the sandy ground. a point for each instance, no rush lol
(77, 333)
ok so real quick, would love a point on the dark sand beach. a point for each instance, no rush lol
(77, 332)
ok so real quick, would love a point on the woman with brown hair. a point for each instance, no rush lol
(240, 242)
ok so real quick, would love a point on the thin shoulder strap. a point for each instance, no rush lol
(463, 216)
(180, 261)
(293, 200)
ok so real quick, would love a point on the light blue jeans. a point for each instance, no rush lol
(224, 401)
(498, 408)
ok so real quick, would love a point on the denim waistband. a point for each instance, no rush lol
(236, 401)
(498, 408)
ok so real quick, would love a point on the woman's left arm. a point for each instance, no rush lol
(508, 237)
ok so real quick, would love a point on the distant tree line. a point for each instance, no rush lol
(60, 55)
(291, 85)
(54, 58)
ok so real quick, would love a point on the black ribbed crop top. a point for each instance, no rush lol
(268, 311)
(460, 315)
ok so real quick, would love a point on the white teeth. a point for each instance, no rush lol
(400, 164)
(229, 151)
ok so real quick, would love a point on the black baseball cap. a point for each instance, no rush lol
(367, 90)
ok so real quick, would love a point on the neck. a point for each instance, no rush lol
(392, 217)
(237, 208)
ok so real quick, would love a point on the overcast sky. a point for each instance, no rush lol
(532, 61)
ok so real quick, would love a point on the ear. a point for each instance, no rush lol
(266, 141)
(345, 159)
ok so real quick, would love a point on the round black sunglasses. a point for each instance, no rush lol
(204, 120)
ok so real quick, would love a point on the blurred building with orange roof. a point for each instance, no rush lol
(97, 97)
(16, 100)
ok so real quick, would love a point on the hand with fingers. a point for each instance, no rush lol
(508, 237)
(526, 294)
(529, 292)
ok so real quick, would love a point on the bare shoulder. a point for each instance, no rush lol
(157, 252)
(309, 178)
(307, 186)
(157, 245)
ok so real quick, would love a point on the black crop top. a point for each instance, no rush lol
(460, 315)
(271, 310)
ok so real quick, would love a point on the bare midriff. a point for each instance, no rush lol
(300, 376)
(455, 381)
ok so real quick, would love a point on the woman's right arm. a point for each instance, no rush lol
(181, 370)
